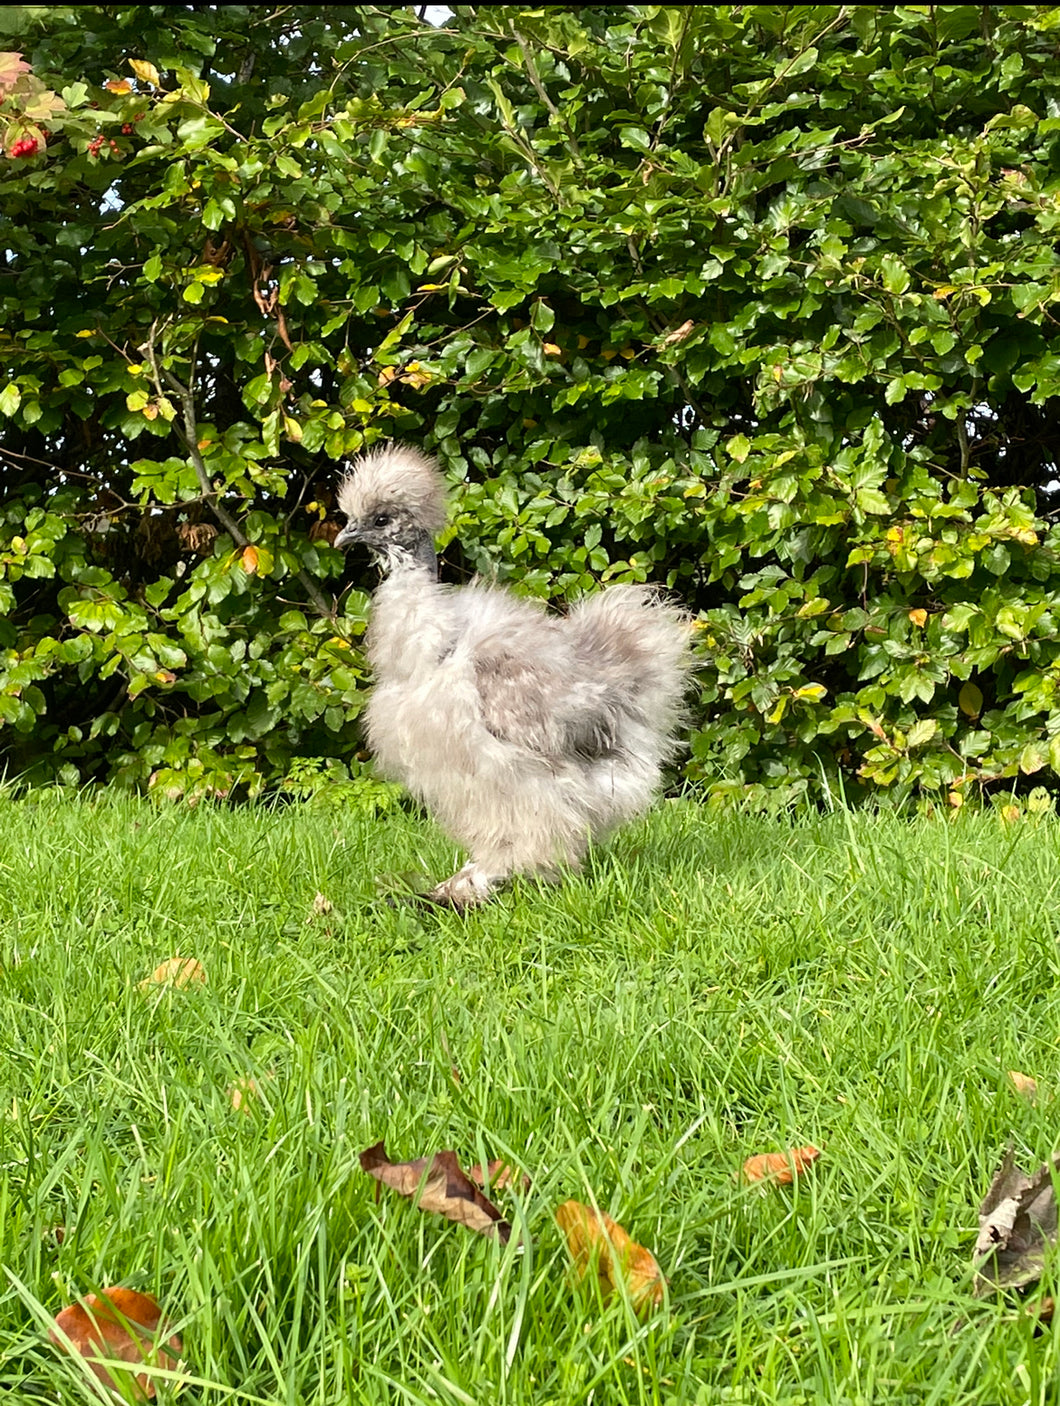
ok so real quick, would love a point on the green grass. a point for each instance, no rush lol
(711, 987)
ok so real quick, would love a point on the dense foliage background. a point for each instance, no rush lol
(757, 301)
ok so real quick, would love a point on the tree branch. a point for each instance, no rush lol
(535, 79)
(190, 435)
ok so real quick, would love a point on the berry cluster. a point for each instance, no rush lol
(98, 142)
(25, 146)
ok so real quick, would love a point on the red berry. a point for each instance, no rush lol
(126, 129)
(139, 116)
(25, 146)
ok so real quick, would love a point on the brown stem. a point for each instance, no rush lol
(535, 79)
(190, 435)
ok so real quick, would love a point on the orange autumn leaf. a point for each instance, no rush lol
(244, 1093)
(599, 1244)
(241, 1093)
(1023, 1084)
(780, 1167)
(120, 1325)
(118, 85)
(918, 617)
(249, 560)
(177, 971)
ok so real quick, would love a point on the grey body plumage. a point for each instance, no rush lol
(525, 734)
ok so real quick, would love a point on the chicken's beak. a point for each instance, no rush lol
(348, 537)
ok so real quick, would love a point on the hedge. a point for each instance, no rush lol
(754, 301)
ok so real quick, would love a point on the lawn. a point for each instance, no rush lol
(713, 986)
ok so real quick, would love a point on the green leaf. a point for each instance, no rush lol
(871, 500)
(542, 318)
(895, 275)
(800, 64)
(635, 137)
(922, 731)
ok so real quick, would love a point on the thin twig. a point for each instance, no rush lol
(535, 79)
(190, 435)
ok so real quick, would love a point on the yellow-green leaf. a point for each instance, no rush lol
(145, 71)
(738, 448)
(970, 700)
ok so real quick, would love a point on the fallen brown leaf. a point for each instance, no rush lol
(242, 1094)
(498, 1173)
(177, 971)
(1023, 1084)
(1017, 1225)
(599, 1244)
(1042, 1311)
(780, 1167)
(121, 1325)
(438, 1184)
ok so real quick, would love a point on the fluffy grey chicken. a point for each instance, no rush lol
(525, 734)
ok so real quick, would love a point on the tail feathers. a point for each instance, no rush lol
(636, 639)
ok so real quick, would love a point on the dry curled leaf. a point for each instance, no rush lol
(1041, 1310)
(679, 334)
(498, 1174)
(1017, 1225)
(780, 1167)
(197, 536)
(1023, 1084)
(120, 1325)
(178, 971)
(599, 1244)
(242, 1094)
(438, 1184)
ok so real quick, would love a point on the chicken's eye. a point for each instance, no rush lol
(381, 520)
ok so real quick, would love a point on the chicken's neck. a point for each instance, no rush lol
(411, 629)
(417, 556)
